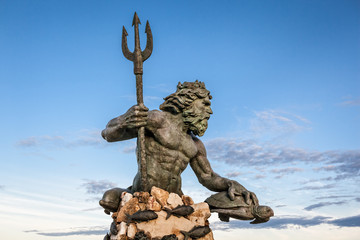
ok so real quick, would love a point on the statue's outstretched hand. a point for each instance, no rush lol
(236, 189)
(136, 116)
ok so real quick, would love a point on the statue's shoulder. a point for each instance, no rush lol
(156, 118)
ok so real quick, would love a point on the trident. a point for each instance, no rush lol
(138, 57)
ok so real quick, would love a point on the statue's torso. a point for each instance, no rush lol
(168, 152)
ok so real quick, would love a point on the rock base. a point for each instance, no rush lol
(169, 224)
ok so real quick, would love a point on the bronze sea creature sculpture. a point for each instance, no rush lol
(179, 211)
(113, 228)
(141, 216)
(111, 199)
(141, 236)
(169, 237)
(238, 209)
(196, 232)
(107, 237)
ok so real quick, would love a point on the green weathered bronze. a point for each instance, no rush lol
(238, 208)
(171, 142)
(111, 199)
(138, 57)
(196, 232)
(168, 140)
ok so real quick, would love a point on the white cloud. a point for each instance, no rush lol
(239, 152)
(351, 102)
(97, 187)
(81, 138)
(277, 123)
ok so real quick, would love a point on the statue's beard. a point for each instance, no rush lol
(195, 124)
(199, 127)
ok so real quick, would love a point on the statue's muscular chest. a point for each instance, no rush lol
(172, 140)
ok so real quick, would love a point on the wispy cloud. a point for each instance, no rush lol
(323, 204)
(285, 171)
(2, 187)
(233, 174)
(37, 141)
(316, 180)
(275, 222)
(96, 230)
(326, 186)
(79, 139)
(97, 187)
(353, 221)
(276, 123)
(259, 176)
(334, 197)
(284, 222)
(130, 149)
(92, 209)
(248, 152)
(351, 102)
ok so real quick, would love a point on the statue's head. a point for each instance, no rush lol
(192, 100)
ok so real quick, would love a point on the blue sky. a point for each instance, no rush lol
(284, 76)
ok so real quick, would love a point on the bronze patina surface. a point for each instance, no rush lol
(171, 141)
(168, 141)
(138, 57)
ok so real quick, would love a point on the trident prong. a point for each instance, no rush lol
(138, 57)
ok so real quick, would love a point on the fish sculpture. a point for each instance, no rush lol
(179, 211)
(169, 237)
(113, 228)
(107, 237)
(141, 236)
(141, 216)
(196, 232)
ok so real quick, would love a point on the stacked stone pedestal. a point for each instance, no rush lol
(160, 228)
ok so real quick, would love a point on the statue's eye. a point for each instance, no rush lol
(207, 103)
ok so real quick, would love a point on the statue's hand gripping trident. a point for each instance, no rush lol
(138, 57)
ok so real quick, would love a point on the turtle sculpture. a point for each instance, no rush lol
(237, 208)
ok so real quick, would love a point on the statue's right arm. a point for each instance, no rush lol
(126, 126)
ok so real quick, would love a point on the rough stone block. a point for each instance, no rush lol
(130, 207)
(201, 214)
(131, 231)
(152, 204)
(174, 200)
(125, 197)
(187, 200)
(160, 195)
(122, 228)
(142, 196)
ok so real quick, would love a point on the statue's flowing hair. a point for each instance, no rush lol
(185, 94)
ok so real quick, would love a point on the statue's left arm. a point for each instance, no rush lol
(212, 181)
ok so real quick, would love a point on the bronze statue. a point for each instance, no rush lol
(167, 138)
(238, 209)
(171, 142)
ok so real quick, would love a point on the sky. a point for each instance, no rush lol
(285, 81)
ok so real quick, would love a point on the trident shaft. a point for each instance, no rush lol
(138, 57)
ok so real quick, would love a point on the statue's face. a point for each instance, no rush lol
(201, 111)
